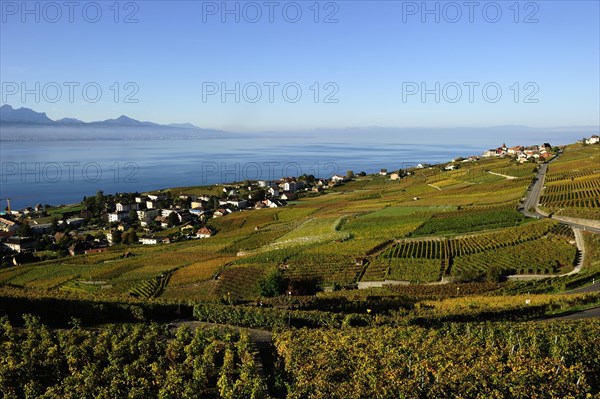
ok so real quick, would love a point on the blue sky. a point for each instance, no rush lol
(369, 62)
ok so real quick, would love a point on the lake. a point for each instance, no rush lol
(61, 172)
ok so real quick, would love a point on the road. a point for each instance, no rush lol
(530, 209)
(532, 200)
(585, 314)
(533, 194)
(588, 288)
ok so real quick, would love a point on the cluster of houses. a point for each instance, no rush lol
(11, 242)
(150, 213)
(20, 249)
(522, 154)
(595, 139)
(164, 211)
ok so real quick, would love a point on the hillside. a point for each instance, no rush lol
(432, 226)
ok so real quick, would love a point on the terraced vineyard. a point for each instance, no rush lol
(259, 238)
(544, 247)
(238, 282)
(583, 193)
(524, 170)
(570, 175)
(323, 268)
(544, 256)
(151, 288)
(473, 219)
(573, 184)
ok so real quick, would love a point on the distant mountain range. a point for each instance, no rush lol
(25, 124)
(27, 116)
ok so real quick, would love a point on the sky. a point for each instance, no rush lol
(279, 65)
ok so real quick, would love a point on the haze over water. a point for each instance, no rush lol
(62, 172)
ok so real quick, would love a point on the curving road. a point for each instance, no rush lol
(530, 209)
(586, 288)
(584, 314)
(532, 199)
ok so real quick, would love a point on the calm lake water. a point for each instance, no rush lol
(62, 172)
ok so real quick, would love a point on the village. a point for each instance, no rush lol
(146, 219)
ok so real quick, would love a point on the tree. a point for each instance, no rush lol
(307, 178)
(173, 219)
(25, 230)
(54, 224)
(272, 285)
(117, 236)
(258, 195)
(212, 203)
(99, 202)
(130, 237)
(133, 216)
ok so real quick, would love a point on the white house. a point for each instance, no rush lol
(166, 212)
(75, 222)
(148, 214)
(8, 226)
(288, 196)
(593, 140)
(157, 197)
(290, 186)
(197, 205)
(117, 216)
(191, 197)
(121, 207)
(19, 244)
(148, 240)
(221, 212)
(269, 183)
(240, 204)
(204, 232)
(338, 178)
(41, 228)
(272, 204)
(274, 192)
